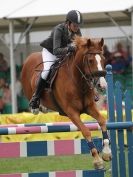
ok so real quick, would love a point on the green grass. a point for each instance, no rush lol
(50, 163)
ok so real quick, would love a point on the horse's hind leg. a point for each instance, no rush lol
(75, 117)
(93, 111)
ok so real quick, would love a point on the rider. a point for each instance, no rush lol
(55, 46)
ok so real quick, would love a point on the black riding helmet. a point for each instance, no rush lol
(74, 16)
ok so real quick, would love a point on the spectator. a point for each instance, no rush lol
(107, 54)
(3, 63)
(119, 58)
(2, 83)
(18, 87)
(129, 57)
(6, 95)
(1, 103)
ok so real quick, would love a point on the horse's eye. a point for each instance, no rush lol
(90, 61)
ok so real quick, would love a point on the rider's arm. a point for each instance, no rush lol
(57, 48)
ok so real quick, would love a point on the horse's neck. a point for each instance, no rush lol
(75, 66)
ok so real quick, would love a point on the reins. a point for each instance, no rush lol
(91, 81)
(59, 60)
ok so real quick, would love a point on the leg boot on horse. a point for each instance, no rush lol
(35, 100)
(106, 152)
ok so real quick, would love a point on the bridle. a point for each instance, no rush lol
(93, 78)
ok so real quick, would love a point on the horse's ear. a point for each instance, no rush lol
(89, 42)
(101, 43)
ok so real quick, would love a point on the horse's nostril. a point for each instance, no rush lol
(99, 86)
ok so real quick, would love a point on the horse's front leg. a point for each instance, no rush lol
(93, 111)
(75, 117)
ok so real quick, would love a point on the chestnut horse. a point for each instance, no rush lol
(74, 87)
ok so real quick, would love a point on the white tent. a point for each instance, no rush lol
(41, 13)
(34, 8)
(54, 11)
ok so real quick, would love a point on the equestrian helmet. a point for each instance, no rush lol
(74, 16)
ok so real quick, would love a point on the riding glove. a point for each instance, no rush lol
(71, 48)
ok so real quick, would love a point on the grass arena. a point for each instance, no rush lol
(65, 153)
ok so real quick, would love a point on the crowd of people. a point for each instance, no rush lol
(5, 87)
(120, 59)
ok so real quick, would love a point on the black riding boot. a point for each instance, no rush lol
(35, 100)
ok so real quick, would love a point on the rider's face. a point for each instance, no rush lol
(73, 27)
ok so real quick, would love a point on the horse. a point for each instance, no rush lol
(74, 88)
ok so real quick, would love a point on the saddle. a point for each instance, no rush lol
(53, 73)
(54, 70)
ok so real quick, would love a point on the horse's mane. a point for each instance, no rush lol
(80, 41)
(90, 43)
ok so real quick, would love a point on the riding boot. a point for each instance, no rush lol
(35, 100)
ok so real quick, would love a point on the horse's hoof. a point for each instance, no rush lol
(98, 165)
(35, 111)
(106, 156)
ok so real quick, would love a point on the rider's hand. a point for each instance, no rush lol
(71, 48)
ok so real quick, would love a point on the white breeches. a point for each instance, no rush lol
(48, 60)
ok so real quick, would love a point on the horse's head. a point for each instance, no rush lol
(90, 55)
